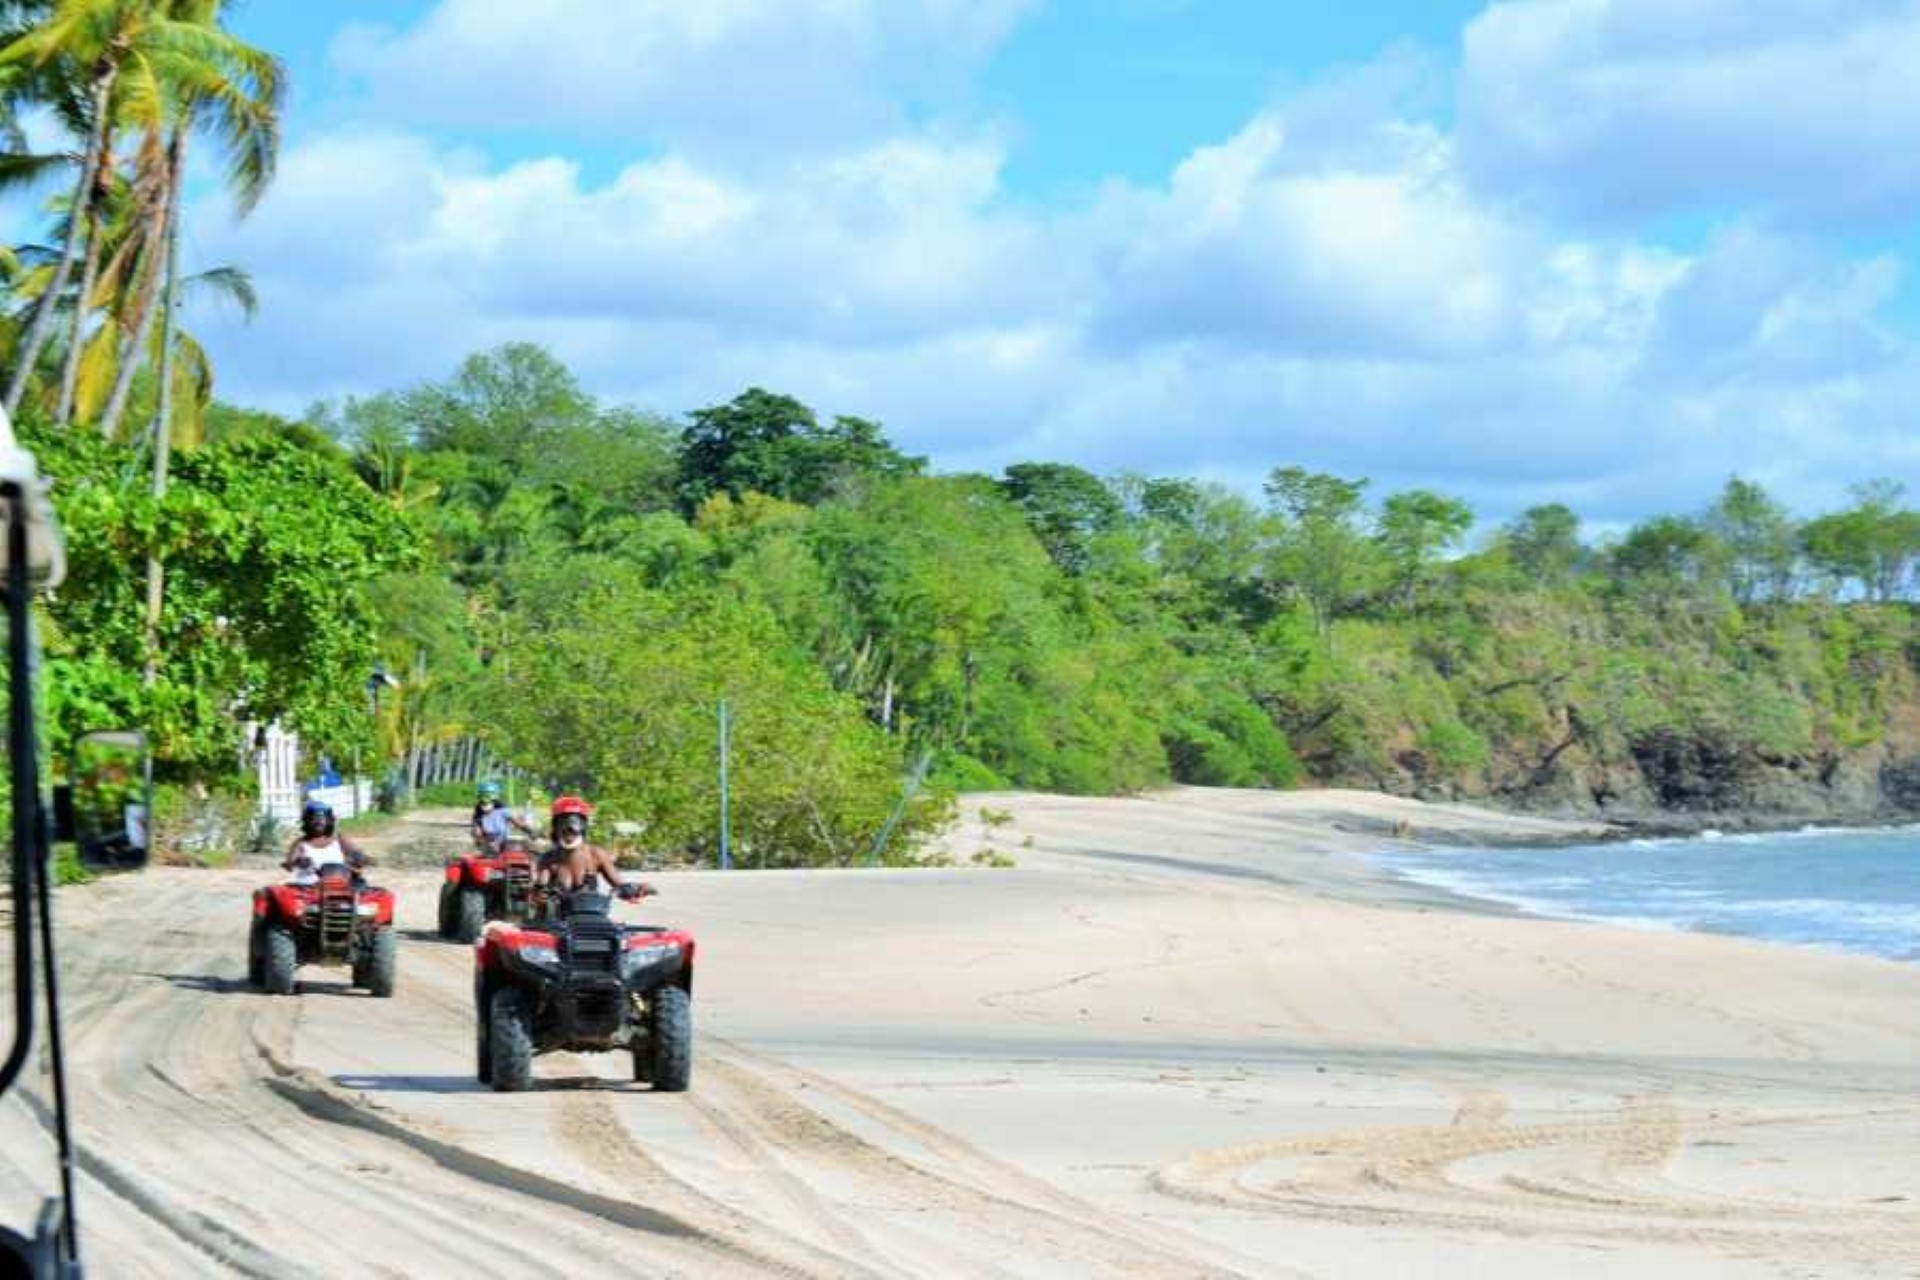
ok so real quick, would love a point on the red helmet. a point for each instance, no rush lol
(570, 814)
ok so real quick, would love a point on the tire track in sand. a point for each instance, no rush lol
(1408, 1176)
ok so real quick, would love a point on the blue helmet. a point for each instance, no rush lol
(489, 791)
(316, 818)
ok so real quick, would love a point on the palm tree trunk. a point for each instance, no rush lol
(135, 342)
(163, 415)
(42, 324)
(70, 366)
(148, 269)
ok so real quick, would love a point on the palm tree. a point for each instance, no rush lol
(162, 68)
(86, 34)
(216, 81)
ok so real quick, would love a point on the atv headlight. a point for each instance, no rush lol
(539, 953)
(367, 908)
(637, 958)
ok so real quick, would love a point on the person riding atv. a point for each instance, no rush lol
(575, 980)
(319, 847)
(326, 914)
(573, 864)
(494, 823)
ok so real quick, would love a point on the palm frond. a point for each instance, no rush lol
(19, 170)
(99, 362)
(232, 284)
(192, 391)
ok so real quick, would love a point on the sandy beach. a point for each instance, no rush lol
(1186, 1034)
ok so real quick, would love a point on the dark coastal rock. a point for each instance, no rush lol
(1900, 784)
(1671, 782)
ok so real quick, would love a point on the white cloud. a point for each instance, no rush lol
(1807, 109)
(1324, 286)
(758, 76)
(1242, 244)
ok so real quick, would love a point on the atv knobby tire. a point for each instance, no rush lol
(283, 957)
(381, 966)
(448, 925)
(510, 1041)
(470, 914)
(257, 954)
(670, 1040)
(483, 1048)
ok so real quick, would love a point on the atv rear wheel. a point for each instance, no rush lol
(670, 1039)
(283, 957)
(382, 965)
(510, 1041)
(470, 914)
(448, 925)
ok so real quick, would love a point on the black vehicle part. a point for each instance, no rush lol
(670, 1040)
(510, 1041)
(379, 963)
(469, 914)
(283, 957)
(257, 953)
(338, 915)
(516, 888)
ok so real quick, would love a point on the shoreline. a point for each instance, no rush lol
(1338, 846)
(1510, 897)
(1684, 826)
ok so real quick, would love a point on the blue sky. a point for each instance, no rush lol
(1541, 250)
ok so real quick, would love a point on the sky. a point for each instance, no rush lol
(1601, 252)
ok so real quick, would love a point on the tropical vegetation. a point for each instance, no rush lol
(581, 585)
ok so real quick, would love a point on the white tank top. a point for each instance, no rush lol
(332, 853)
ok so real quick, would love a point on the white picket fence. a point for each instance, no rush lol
(276, 755)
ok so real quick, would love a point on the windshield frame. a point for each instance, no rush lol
(23, 776)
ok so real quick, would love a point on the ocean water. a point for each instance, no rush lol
(1849, 890)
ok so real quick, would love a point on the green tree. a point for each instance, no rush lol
(1544, 543)
(625, 709)
(84, 43)
(762, 442)
(272, 548)
(511, 403)
(428, 635)
(1066, 507)
(1665, 558)
(1759, 537)
(1415, 528)
(1875, 543)
(1322, 550)
(153, 65)
(185, 71)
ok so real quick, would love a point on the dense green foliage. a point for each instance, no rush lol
(581, 585)
(271, 547)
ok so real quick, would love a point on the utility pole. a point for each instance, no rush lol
(726, 733)
(914, 779)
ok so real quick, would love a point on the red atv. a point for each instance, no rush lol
(337, 921)
(583, 982)
(482, 886)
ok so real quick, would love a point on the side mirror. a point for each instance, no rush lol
(112, 776)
